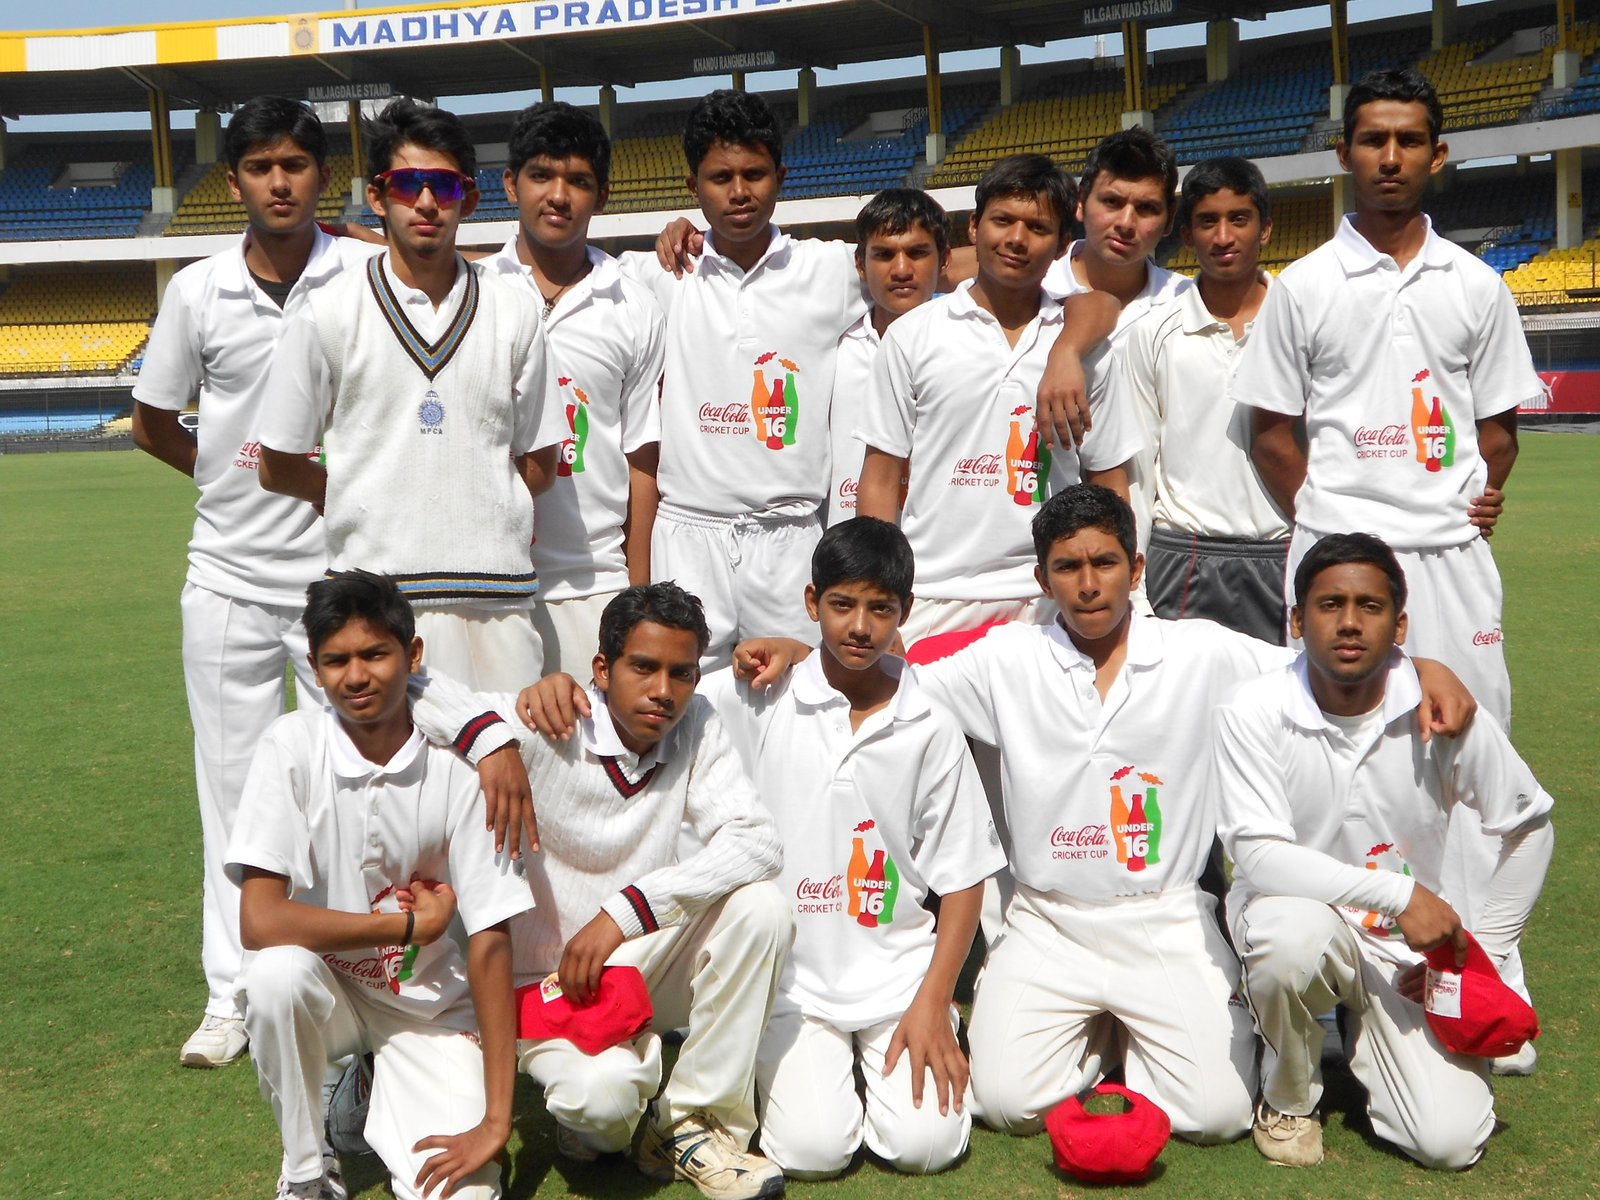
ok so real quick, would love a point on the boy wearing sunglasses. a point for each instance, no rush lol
(426, 381)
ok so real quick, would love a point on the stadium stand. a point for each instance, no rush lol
(1478, 93)
(1268, 107)
(1063, 117)
(208, 208)
(94, 191)
(88, 321)
(1583, 96)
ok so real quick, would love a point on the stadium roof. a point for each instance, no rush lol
(454, 49)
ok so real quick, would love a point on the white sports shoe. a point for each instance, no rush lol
(698, 1150)
(1522, 1062)
(218, 1042)
(311, 1189)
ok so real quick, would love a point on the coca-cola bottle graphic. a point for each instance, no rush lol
(758, 404)
(1014, 445)
(856, 875)
(1152, 814)
(1119, 823)
(777, 417)
(872, 893)
(791, 409)
(1420, 420)
(891, 889)
(572, 449)
(1138, 836)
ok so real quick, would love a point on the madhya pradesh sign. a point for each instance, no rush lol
(459, 26)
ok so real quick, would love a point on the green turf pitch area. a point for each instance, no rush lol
(100, 889)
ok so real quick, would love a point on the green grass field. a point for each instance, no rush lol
(100, 914)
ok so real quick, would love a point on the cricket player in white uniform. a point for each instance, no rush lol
(706, 928)
(902, 248)
(364, 864)
(1334, 812)
(426, 379)
(953, 392)
(1110, 948)
(604, 331)
(1218, 541)
(252, 553)
(1405, 357)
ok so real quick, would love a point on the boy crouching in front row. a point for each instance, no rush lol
(357, 848)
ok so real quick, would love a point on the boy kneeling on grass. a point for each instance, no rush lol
(879, 806)
(358, 848)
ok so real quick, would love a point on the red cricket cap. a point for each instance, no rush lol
(1108, 1147)
(620, 1011)
(1470, 1009)
(941, 645)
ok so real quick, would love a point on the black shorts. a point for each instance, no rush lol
(1237, 582)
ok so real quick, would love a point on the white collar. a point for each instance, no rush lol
(323, 262)
(811, 687)
(1402, 692)
(1358, 256)
(961, 304)
(600, 737)
(604, 274)
(407, 294)
(781, 244)
(1146, 644)
(1197, 318)
(864, 330)
(350, 763)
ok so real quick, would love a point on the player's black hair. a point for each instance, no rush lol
(894, 211)
(738, 118)
(556, 129)
(1229, 173)
(404, 122)
(660, 603)
(1134, 153)
(345, 596)
(1339, 548)
(864, 550)
(263, 120)
(1035, 176)
(1083, 506)
(1395, 84)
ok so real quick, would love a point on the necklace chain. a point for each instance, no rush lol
(550, 301)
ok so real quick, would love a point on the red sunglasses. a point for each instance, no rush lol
(405, 184)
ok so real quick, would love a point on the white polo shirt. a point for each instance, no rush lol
(214, 340)
(1179, 360)
(749, 374)
(852, 377)
(605, 337)
(1161, 286)
(953, 395)
(1104, 799)
(346, 833)
(1368, 352)
(872, 821)
(1356, 810)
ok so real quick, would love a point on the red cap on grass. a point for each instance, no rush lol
(1470, 1009)
(1118, 1147)
(619, 1013)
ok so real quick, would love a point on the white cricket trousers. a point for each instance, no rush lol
(813, 1119)
(717, 975)
(1454, 602)
(1063, 968)
(1300, 959)
(426, 1080)
(235, 660)
(570, 631)
(487, 651)
(750, 573)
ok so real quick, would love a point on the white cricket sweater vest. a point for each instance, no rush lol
(421, 483)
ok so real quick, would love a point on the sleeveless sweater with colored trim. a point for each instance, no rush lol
(424, 487)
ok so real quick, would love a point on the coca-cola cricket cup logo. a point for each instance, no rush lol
(1024, 468)
(1136, 818)
(1382, 857)
(872, 884)
(1430, 438)
(393, 965)
(570, 461)
(775, 401)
